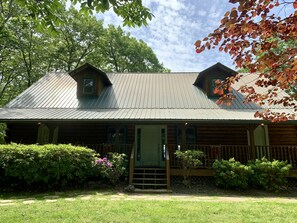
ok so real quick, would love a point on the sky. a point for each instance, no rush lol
(175, 27)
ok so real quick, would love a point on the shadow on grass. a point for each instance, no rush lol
(202, 190)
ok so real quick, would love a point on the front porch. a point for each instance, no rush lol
(152, 145)
(242, 153)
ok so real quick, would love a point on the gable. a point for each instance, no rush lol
(90, 80)
(206, 79)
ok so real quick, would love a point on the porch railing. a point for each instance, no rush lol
(241, 153)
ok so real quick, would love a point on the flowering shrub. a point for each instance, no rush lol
(189, 159)
(112, 168)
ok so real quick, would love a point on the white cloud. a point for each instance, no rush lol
(176, 25)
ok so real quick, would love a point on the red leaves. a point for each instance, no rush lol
(274, 116)
(198, 43)
(199, 50)
(259, 41)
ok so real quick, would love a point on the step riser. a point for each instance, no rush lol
(150, 178)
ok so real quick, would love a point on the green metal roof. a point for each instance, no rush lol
(132, 96)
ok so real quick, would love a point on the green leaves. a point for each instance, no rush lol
(189, 159)
(261, 173)
(231, 174)
(45, 166)
(270, 175)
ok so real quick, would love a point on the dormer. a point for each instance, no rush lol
(206, 79)
(90, 80)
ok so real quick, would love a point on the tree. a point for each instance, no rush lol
(27, 53)
(119, 52)
(265, 44)
(75, 40)
(46, 13)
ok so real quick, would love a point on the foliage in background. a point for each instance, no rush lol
(260, 35)
(270, 175)
(47, 166)
(189, 159)
(231, 174)
(2, 133)
(46, 13)
(27, 52)
(113, 167)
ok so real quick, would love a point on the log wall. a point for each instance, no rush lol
(25, 133)
(282, 135)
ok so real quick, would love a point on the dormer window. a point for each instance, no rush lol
(88, 86)
(90, 81)
(212, 87)
(206, 79)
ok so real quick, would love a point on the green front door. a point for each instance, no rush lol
(150, 141)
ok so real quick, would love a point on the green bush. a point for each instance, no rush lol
(189, 159)
(231, 174)
(269, 175)
(46, 166)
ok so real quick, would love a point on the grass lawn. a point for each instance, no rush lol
(96, 206)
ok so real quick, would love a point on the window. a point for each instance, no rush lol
(122, 136)
(88, 86)
(212, 87)
(113, 136)
(178, 135)
(189, 134)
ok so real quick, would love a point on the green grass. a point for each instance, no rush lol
(108, 207)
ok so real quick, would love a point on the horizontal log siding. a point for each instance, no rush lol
(130, 134)
(22, 133)
(171, 134)
(82, 133)
(282, 135)
(221, 135)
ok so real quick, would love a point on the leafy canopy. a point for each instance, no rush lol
(260, 36)
(47, 12)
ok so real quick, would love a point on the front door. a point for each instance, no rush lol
(150, 145)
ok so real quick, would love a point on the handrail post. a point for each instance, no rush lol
(167, 167)
(131, 170)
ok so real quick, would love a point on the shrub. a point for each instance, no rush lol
(112, 168)
(269, 175)
(231, 174)
(189, 159)
(45, 166)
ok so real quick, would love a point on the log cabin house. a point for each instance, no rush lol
(148, 116)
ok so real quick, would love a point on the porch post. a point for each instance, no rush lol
(252, 141)
(52, 138)
(184, 141)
